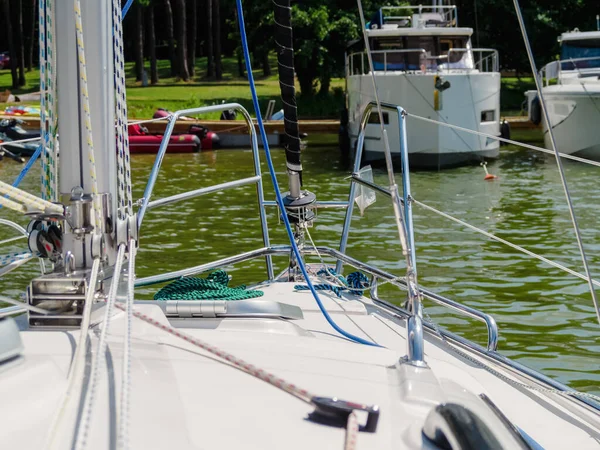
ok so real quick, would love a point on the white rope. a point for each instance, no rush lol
(124, 196)
(505, 242)
(90, 395)
(123, 441)
(50, 135)
(34, 309)
(86, 112)
(20, 141)
(12, 205)
(351, 435)
(15, 256)
(28, 199)
(13, 239)
(78, 364)
(43, 93)
(159, 119)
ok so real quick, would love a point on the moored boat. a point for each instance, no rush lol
(424, 62)
(141, 141)
(572, 95)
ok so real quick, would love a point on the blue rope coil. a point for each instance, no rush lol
(356, 280)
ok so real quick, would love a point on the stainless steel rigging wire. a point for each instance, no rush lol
(558, 160)
(388, 157)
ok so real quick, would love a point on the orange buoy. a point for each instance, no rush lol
(488, 176)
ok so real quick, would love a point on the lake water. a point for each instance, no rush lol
(546, 317)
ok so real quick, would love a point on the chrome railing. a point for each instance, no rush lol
(554, 69)
(484, 60)
(256, 179)
(415, 334)
(284, 250)
(448, 13)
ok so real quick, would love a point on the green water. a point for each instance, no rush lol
(545, 316)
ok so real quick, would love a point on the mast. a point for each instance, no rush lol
(74, 163)
(83, 39)
(297, 203)
(285, 59)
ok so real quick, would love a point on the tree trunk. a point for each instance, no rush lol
(239, 53)
(265, 63)
(240, 63)
(11, 45)
(139, 43)
(170, 36)
(210, 68)
(181, 41)
(193, 34)
(31, 46)
(20, 42)
(325, 84)
(217, 26)
(152, 44)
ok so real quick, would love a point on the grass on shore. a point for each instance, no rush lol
(173, 94)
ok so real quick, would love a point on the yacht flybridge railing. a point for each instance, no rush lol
(256, 179)
(420, 15)
(484, 60)
(585, 67)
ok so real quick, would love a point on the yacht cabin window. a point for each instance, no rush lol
(421, 52)
(572, 51)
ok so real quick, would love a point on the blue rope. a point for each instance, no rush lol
(126, 8)
(356, 280)
(286, 221)
(28, 166)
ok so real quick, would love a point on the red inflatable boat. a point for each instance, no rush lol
(209, 139)
(140, 141)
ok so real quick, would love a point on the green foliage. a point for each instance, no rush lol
(496, 26)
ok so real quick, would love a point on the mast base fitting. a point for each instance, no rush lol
(299, 209)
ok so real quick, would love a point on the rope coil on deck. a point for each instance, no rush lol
(356, 283)
(213, 287)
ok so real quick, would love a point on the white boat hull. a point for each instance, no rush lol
(430, 145)
(574, 113)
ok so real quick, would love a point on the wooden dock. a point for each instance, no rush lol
(235, 131)
(218, 126)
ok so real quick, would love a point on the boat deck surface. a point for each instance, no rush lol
(183, 397)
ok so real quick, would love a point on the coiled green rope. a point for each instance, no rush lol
(213, 287)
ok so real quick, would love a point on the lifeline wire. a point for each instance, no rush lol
(278, 197)
(501, 139)
(505, 242)
(561, 171)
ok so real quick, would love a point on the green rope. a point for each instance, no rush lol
(213, 287)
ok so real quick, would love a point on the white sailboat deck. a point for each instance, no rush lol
(182, 397)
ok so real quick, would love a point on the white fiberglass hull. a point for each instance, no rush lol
(430, 145)
(574, 111)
